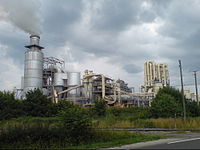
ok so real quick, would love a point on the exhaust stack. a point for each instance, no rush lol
(33, 68)
(34, 40)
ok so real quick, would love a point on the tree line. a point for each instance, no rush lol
(167, 103)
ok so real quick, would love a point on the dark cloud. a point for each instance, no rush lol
(181, 23)
(58, 18)
(15, 43)
(125, 32)
(116, 15)
(131, 68)
(147, 16)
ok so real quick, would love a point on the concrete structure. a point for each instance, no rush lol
(189, 95)
(156, 76)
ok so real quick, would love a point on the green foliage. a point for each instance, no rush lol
(193, 110)
(168, 101)
(129, 113)
(36, 104)
(60, 106)
(39, 135)
(172, 92)
(165, 106)
(116, 111)
(100, 108)
(77, 124)
(42, 136)
(9, 106)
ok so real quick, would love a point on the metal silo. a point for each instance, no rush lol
(74, 78)
(33, 65)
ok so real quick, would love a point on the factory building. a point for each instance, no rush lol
(124, 86)
(47, 73)
(50, 75)
(156, 76)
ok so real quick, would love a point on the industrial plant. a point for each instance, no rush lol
(49, 75)
(156, 76)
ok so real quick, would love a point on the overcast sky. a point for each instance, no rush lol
(113, 37)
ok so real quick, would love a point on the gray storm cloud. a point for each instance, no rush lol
(23, 14)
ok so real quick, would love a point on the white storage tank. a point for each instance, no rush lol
(58, 79)
(74, 79)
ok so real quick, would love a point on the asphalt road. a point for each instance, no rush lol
(188, 140)
(193, 143)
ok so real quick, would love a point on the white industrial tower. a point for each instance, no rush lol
(155, 76)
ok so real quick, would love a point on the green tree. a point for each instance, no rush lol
(9, 106)
(159, 101)
(192, 109)
(36, 104)
(165, 106)
(172, 92)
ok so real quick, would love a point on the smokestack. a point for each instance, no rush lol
(33, 65)
(34, 40)
(34, 43)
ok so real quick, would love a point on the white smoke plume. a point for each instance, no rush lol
(23, 14)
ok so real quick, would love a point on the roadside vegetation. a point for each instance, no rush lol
(38, 123)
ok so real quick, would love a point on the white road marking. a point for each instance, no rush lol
(186, 140)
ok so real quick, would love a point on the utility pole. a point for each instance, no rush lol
(183, 100)
(195, 79)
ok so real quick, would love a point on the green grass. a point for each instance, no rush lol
(49, 132)
(130, 139)
(43, 135)
(111, 121)
(103, 139)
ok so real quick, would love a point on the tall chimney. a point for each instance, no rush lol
(34, 40)
(33, 65)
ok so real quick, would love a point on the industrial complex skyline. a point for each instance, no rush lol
(112, 37)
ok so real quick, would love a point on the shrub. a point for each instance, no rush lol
(9, 106)
(60, 106)
(165, 106)
(77, 124)
(115, 111)
(36, 104)
(100, 107)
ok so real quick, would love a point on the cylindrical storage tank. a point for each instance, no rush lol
(74, 79)
(33, 70)
(58, 79)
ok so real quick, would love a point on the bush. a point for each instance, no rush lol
(9, 106)
(165, 106)
(60, 106)
(37, 136)
(100, 108)
(37, 105)
(77, 124)
(116, 111)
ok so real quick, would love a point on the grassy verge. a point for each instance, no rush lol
(101, 139)
(170, 123)
(130, 138)
(37, 133)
